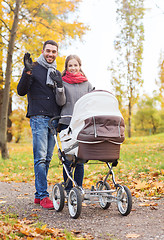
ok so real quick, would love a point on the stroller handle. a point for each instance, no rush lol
(54, 118)
(53, 130)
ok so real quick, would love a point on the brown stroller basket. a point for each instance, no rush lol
(100, 138)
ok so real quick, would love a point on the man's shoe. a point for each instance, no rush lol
(37, 200)
(47, 203)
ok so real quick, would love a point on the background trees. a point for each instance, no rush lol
(126, 67)
(148, 118)
(143, 114)
(160, 80)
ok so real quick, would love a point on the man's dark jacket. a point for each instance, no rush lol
(42, 99)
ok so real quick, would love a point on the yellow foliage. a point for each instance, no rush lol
(60, 63)
(38, 22)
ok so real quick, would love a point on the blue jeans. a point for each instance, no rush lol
(78, 172)
(43, 147)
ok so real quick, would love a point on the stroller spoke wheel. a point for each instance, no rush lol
(124, 200)
(58, 197)
(103, 197)
(75, 202)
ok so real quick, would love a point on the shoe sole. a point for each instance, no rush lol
(47, 208)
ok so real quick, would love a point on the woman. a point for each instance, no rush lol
(76, 85)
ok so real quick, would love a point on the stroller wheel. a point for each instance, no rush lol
(103, 197)
(58, 197)
(124, 200)
(75, 202)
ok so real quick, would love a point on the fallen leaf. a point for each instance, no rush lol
(153, 208)
(76, 232)
(22, 197)
(137, 194)
(141, 185)
(24, 231)
(17, 190)
(84, 204)
(155, 174)
(36, 210)
(40, 231)
(158, 184)
(44, 227)
(153, 204)
(152, 198)
(1, 202)
(144, 204)
(33, 215)
(132, 235)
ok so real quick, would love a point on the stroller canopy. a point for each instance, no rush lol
(95, 103)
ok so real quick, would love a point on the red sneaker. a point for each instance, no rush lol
(37, 200)
(47, 203)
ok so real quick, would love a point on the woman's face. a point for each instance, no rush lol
(73, 66)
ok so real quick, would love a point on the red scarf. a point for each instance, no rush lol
(74, 78)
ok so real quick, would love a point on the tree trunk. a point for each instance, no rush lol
(129, 120)
(1, 71)
(6, 92)
(9, 122)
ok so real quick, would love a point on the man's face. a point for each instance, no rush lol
(50, 53)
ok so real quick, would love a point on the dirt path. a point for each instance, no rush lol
(143, 223)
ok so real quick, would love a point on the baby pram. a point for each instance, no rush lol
(96, 132)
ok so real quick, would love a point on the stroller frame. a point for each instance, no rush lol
(101, 193)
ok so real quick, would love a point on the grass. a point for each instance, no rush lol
(19, 167)
(138, 156)
(143, 153)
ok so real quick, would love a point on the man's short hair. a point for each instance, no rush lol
(52, 42)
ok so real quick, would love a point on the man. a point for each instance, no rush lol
(45, 96)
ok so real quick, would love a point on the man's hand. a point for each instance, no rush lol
(28, 62)
(57, 78)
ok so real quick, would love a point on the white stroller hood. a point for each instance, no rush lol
(95, 103)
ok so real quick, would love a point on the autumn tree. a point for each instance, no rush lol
(126, 67)
(1, 58)
(148, 117)
(20, 126)
(160, 81)
(25, 26)
(6, 91)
